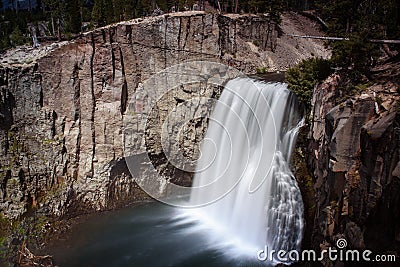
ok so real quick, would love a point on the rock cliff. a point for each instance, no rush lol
(354, 157)
(63, 106)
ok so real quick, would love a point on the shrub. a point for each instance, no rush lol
(261, 70)
(355, 55)
(16, 37)
(256, 43)
(302, 78)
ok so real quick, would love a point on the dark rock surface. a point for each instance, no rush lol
(354, 157)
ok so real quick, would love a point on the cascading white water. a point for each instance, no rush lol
(253, 198)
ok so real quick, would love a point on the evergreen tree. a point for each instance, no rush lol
(103, 12)
(98, 14)
(300, 4)
(273, 8)
(56, 9)
(16, 37)
(119, 9)
(74, 14)
(360, 21)
(302, 78)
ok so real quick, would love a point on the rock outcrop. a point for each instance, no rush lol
(63, 107)
(354, 156)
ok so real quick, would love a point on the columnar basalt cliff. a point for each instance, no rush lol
(62, 107)
(354, 156)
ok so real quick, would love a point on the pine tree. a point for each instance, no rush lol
(109, 11)
(129, 10)
(273, 8)
(360, 21)
(101, 12)
(74, 14)
(57, 10)
(96, 13)
(16, 37)
(119, 9)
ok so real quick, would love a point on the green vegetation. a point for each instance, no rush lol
(4, 233)
(360, 21)
(16, 37)
(62, 19)
(256, 43)
(261, 70)
(350, 86)
(14, 27)
(305, 181)
(273, 8)
(57, 17)
(31, 230)
(302, 78)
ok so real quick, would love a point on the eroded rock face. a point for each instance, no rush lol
(63, 107)
(354, 154)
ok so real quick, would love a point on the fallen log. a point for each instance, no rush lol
(28, 259)
(342, 39)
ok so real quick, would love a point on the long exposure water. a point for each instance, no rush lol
(254, 200)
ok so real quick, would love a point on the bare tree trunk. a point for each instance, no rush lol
(343, 39)
(58, 29)
(52, 26)
(219, 7)
(236, 6)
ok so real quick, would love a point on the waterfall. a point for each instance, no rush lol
(253, 198)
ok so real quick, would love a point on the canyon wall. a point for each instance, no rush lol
(353, 151)
(64, 107)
